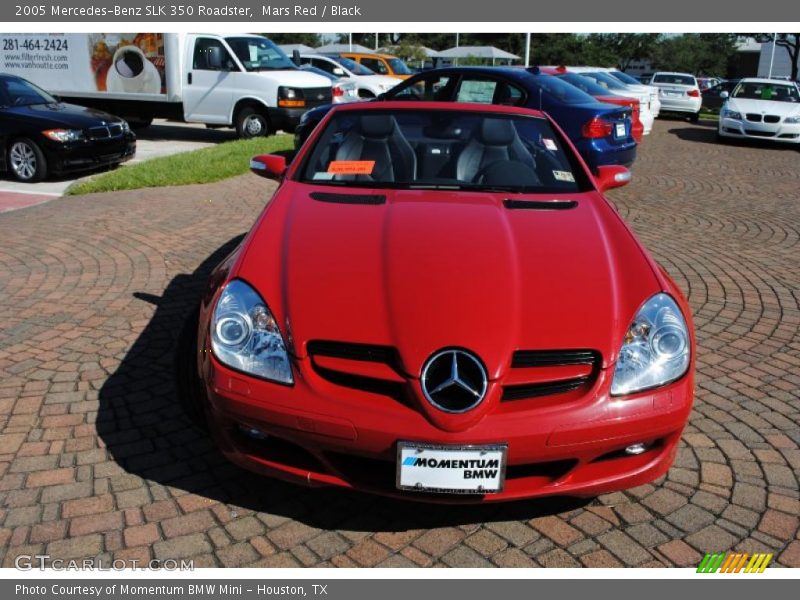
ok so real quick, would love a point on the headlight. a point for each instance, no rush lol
(245, 336)
(291, 97)
(792, 120)
(655, 350)
(64, 135)
(125, 126)
(731, 114)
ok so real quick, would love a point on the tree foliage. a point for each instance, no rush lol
(697, 53)
(309, 39)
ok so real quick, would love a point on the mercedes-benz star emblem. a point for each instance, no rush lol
(454, 380)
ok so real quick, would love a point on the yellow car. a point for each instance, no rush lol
(382, 64)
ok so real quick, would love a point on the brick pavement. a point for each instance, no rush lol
(97, 458)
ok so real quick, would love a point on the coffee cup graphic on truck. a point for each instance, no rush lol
(124, 64)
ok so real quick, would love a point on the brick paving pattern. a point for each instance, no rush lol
(98, 459)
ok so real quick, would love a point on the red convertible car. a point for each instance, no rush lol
(439, 303)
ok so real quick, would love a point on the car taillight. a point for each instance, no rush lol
(597, 128)
(693, 93)
(337, 91)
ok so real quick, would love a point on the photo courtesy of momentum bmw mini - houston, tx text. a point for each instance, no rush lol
(292, 290)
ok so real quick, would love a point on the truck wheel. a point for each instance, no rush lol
(26, 161)
(251, 123)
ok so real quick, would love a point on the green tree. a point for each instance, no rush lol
(696, 53)
(624, 48)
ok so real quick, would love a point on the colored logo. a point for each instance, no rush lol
(734, 563)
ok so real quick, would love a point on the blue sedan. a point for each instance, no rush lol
(601, 132)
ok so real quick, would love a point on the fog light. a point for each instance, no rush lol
(252, 432)
(636, 448)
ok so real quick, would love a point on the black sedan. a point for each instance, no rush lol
(712, 100)
(40, 136)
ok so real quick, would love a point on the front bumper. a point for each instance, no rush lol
(777, 132)
(287, 119)
(84, 156)
(317, 435)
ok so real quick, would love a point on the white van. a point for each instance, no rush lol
(238, 80)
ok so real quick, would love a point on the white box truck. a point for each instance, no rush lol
(239, 80)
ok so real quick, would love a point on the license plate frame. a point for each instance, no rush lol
(620, 130)
(426, 482)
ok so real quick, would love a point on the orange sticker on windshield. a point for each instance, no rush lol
(351, 167)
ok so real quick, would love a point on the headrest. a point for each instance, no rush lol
(497, 132)
(377, 126)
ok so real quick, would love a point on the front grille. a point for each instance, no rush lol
(317, 96)
(546, 358)
(772, 119)
(753, 117)
(551, 372)
(389, 382)
(758, 133)
(104, 132)
(351, 351)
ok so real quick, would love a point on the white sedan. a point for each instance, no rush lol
(763, 109)
(368, 83)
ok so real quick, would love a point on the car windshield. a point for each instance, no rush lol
(398, 66)
(751, 90)
(560, 90)
(259, 54)
(625, 78)
(585, 84)
(443, 149)
(606, 81)
(18, 92)
(675, 79)
(353, 66)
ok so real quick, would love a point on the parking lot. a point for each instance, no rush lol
(98, 459)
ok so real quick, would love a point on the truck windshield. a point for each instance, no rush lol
(259, 54)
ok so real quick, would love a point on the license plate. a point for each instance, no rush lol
(675, 94)
(620, 131)
(451, 469)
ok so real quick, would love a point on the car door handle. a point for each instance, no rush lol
(189, 79)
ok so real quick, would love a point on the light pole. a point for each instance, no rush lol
(772, 58)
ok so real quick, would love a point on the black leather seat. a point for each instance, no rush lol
(496, 140)
(378, 138)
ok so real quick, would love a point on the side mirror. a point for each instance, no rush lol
(270, 166)
(612, 176)
(296, 57)
(724, 95)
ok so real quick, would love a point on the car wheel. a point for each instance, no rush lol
(189, 388)
(251, 123)
(695, 117)
(26, 161)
